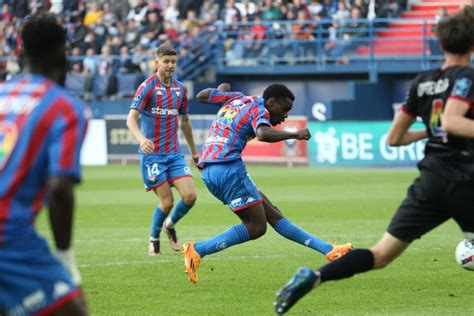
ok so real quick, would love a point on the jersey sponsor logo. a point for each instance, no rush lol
(461, 87)
(432, 87)
(164, 112)
(217, 140)
(8, 139)
(18, 105)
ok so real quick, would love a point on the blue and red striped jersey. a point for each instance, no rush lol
(235, 124)
(41, 134)
(159, 106)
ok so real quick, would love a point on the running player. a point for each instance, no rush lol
(159, 101)
(240, 119)
(445, 186)
(41, 133)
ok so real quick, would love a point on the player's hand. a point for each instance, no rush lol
(147, 146)
(67, 259)
(224, 87)
(195, 159)
(303, 134)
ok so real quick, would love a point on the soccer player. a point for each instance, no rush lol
(445, 186)
(240, 119)
(41, 133)
(158, 102)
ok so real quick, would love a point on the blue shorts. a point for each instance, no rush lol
(231, 184)
(158, 169)
(32, 281)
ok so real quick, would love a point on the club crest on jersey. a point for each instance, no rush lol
(226, 115)
(461, 87)
(8, 138)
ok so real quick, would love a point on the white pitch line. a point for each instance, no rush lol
(178, 259)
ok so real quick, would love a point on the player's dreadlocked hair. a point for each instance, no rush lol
(278, 91)
(456, 32)
(43, 39)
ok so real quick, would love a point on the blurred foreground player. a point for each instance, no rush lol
(41, 133)
(445, 187)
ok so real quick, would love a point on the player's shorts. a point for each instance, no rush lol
(32, 280)
(231, 184)
(158, 169)
(431, 200)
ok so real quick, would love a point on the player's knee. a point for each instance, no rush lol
(257, 230)
(190, 198)
(166, 205)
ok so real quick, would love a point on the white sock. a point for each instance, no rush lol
(169, 223)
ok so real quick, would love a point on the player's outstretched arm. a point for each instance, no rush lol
(454, 121)
(132, 123)
(203, 95)
(400, 135)
(268, 134)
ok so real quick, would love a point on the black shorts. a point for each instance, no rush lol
(431, 200)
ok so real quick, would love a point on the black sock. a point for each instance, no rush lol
(356, 261)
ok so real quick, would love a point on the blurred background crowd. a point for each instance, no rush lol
(110, 37)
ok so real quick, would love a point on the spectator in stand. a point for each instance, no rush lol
(171, 12)
(132, 34)
(6, 15)
(363, 6)
(76, 65)
(138, 12)
(303, 32)
(120, 8)
(93, 15)
(125, 64)
(270, 11)
(228, 12)
(342, 13)
(109, 18)
(349, 37)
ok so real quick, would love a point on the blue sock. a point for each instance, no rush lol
(233, 236)
(289, 230)
(179, 211)
(158, 219)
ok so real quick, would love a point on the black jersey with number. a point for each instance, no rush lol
(447, 155)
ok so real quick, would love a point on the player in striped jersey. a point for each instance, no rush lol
(240, 119)
(158, 102)
(41, 133)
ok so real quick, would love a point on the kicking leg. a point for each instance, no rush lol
(287, 229)
(355, 262)
(253, 226)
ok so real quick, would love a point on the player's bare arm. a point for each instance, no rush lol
(132, 123)
(187, 129)
(268, 134)
(61, 208)
(454, 121)
(400, 135)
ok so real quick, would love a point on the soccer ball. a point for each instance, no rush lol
(465, 254)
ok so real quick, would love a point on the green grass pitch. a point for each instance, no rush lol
(342, 205)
